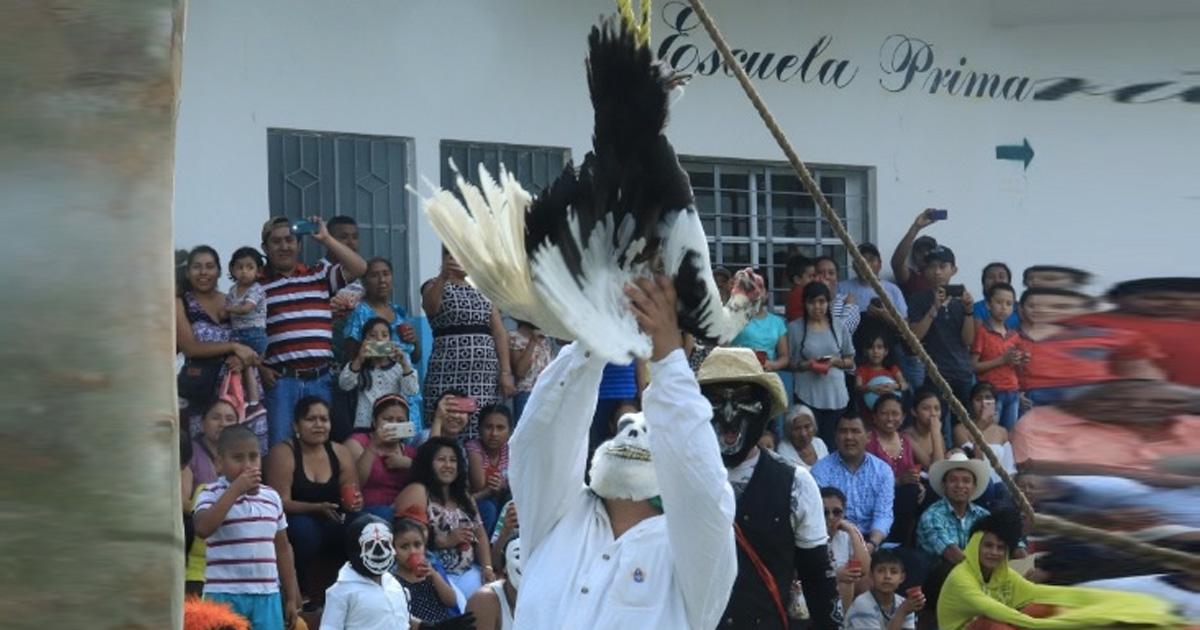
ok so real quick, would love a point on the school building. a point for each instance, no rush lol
(1063, 132)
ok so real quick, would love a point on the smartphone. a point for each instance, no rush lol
(379, 348)
(399, 430)
(936, 214)
(955, 290)
(464, 405)
(826, 359)
(303, 226)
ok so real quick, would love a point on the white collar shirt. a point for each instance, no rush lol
(674, 570)
(355, 602)
(808, 510)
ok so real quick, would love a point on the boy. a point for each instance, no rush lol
(1054, 277)
(995, 273)
(801, 270)
(881, 608)
(942, 319)
(996, 353)
(242, 520)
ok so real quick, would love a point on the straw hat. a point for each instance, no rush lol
(978, 468)
(740, 365)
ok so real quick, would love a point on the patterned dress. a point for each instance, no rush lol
(443, 520)
(204, 330)
(464, 353)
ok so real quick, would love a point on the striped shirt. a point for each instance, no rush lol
(299, 319)
(241, 553)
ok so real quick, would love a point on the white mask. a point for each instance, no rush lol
(378, 554)
(512, 562)
(621, 467)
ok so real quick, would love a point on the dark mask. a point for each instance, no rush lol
(739, 416)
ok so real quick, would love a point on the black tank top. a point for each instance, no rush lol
(309, 491)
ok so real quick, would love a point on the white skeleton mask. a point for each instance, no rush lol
(621, 467)
(512, 562)
(378, 554)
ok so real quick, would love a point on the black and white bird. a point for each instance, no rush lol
(562, 260)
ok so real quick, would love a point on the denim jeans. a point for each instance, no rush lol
(519, 400)
(1053, 395)
(314, 537)
(1008, 408)
(281, 403)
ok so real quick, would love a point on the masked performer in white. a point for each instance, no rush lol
(605, 556)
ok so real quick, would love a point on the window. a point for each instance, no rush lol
(535, 167)
(758, 215)
(363, 177)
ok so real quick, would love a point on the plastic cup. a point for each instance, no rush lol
(913, 593)
(854, 565)
(762, 357)
(405, 329)
(351, 496)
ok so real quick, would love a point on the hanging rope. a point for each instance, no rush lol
(1049, 523)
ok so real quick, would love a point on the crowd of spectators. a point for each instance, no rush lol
(1092, 400)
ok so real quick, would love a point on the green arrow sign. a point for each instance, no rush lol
(1017, 152)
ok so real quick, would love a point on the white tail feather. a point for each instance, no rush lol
(683, 233)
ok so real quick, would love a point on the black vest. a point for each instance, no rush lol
(764, 513)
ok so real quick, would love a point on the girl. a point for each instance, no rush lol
(487, 462)
(894, 448)
(457, 537)
(875, 363)
(381, 458)
(531, 353)
(375, 375)
(983, 408)
(846, 544)
(820, 349)
(246, 302)
(766, 335)
(925, 433)
(430, 595)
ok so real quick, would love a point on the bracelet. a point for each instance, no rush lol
(488, 567)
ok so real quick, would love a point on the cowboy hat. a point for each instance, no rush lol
(740, 365)
(978, 468)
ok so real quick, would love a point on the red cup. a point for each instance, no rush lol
(351, 496)
(762, 357)
(413, 561)
(821, 367)
(405, 330)
(913, 593)
(853, 565)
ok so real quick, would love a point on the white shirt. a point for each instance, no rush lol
(866, 614)
(670, 571)
(357, 603)
(808, 511)
(788, 453)
(506, 615)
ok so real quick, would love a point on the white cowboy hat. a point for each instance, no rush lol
(978, 468)
(740, 365)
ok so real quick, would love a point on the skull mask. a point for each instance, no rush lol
(512, 562)
(740, 413)
(621, 467)
(369, 546)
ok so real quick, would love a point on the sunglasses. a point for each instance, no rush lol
(835, 512)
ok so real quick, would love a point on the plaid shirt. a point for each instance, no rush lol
(940, 527)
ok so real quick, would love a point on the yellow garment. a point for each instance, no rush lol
(965, 596)
(196, 558)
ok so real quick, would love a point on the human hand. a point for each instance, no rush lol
(269, 376)
(849, 575)
(408, 334)
(460, 536)
(451, 270)
(489, 574)
(495, 483)
(234, 364)
(397, 460)
(1012, 356)
(507, 385)
(510, 518)
(245, 354)
(343, 301)
(939, 298)
(923, 220)
(850, 299)
(914, 600)
(320, 232)
(329, 511)
(653, 303)
(968, 300)
(291, 611)
(247, 482)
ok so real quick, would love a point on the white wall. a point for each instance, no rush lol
(1112, 187)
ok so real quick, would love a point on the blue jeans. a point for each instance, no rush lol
(489, 511)
(913, 371)
(281, 403)
(313, 537)
(255, 338)
(1008, 408)
(519, 401)
(264, 611)
(1053, 395)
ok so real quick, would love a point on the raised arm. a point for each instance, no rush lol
(697, 500)
(904, 249)
(548, 451)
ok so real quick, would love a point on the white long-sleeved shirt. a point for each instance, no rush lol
(391, 380)
(669, 571)
(357, 603)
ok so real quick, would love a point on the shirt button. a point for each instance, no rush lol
(583, 590)
(605, 556)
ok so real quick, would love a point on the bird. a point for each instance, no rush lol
(562, 259)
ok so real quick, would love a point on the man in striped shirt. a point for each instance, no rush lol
(299, 318)
(248, 556)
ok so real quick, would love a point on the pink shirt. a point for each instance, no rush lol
(384, 484)
(1049, 434)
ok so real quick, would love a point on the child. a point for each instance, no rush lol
(996, 352)
(248, 558)
(246, 301)
(487, 463)
(353, 601)
(375, 375)
(432, 597)
(531, 353)
(881, 608)
(925, 433)
(876, 364)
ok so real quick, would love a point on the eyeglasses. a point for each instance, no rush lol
(835, 512)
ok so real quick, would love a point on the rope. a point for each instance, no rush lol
(1049, 523)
